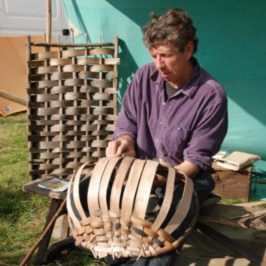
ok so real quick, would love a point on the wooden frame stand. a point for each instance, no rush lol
(72, 108)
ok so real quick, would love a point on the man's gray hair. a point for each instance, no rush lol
(175, 27)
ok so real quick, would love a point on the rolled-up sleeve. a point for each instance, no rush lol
(126, 123)
(207, 137)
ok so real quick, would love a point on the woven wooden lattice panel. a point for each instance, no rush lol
(72, 96)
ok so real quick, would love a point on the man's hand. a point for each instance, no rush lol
(123, 146)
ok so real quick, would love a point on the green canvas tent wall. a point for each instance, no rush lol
(231, 47)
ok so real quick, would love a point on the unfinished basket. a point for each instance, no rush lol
(110, 210)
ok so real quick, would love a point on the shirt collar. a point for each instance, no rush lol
(191, 86)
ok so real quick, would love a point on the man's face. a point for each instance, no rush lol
(171, 64)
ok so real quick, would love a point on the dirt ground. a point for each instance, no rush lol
(200, 250)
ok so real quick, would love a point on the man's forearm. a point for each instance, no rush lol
(188, 168)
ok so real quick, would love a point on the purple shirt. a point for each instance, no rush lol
(190, 125)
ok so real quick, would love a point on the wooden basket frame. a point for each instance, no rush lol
(114, 219)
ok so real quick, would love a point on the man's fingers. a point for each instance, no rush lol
(121, 149)
(112, 148)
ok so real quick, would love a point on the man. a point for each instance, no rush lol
(173, 110)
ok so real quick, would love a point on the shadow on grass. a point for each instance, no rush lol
(77, 257)
(13, 202)
(21, 222)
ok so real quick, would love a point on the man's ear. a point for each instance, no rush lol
(189, 49)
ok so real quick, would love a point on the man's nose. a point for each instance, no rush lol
(159, 62)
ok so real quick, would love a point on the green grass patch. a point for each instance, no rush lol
(17, 209)
(231, 201)
(22, 215)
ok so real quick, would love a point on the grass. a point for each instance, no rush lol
(22, 215)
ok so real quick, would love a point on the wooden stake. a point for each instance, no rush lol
(13, 98)
(27, 257)
(48, 21)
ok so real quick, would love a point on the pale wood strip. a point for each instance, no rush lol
(112, 61)
(183, 207)
(48, 145)
(61, 76)
(74, 82)
(169, 190)
(46, 111)
(102, 51)
(131, 188)
(45, 70)
(70, 211)
(88, 74)
(46, 97)
(47, 83)
(144, 189)
(92, 197)
(99, 144)
(60, 62)
(103, 200)
(44, 55)
(88, 60)
(102, 68)
(72, 68)
(76, 194)
(58, 104)
(76, 144)
(101, 83)
(112, 75)
(34, 64)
